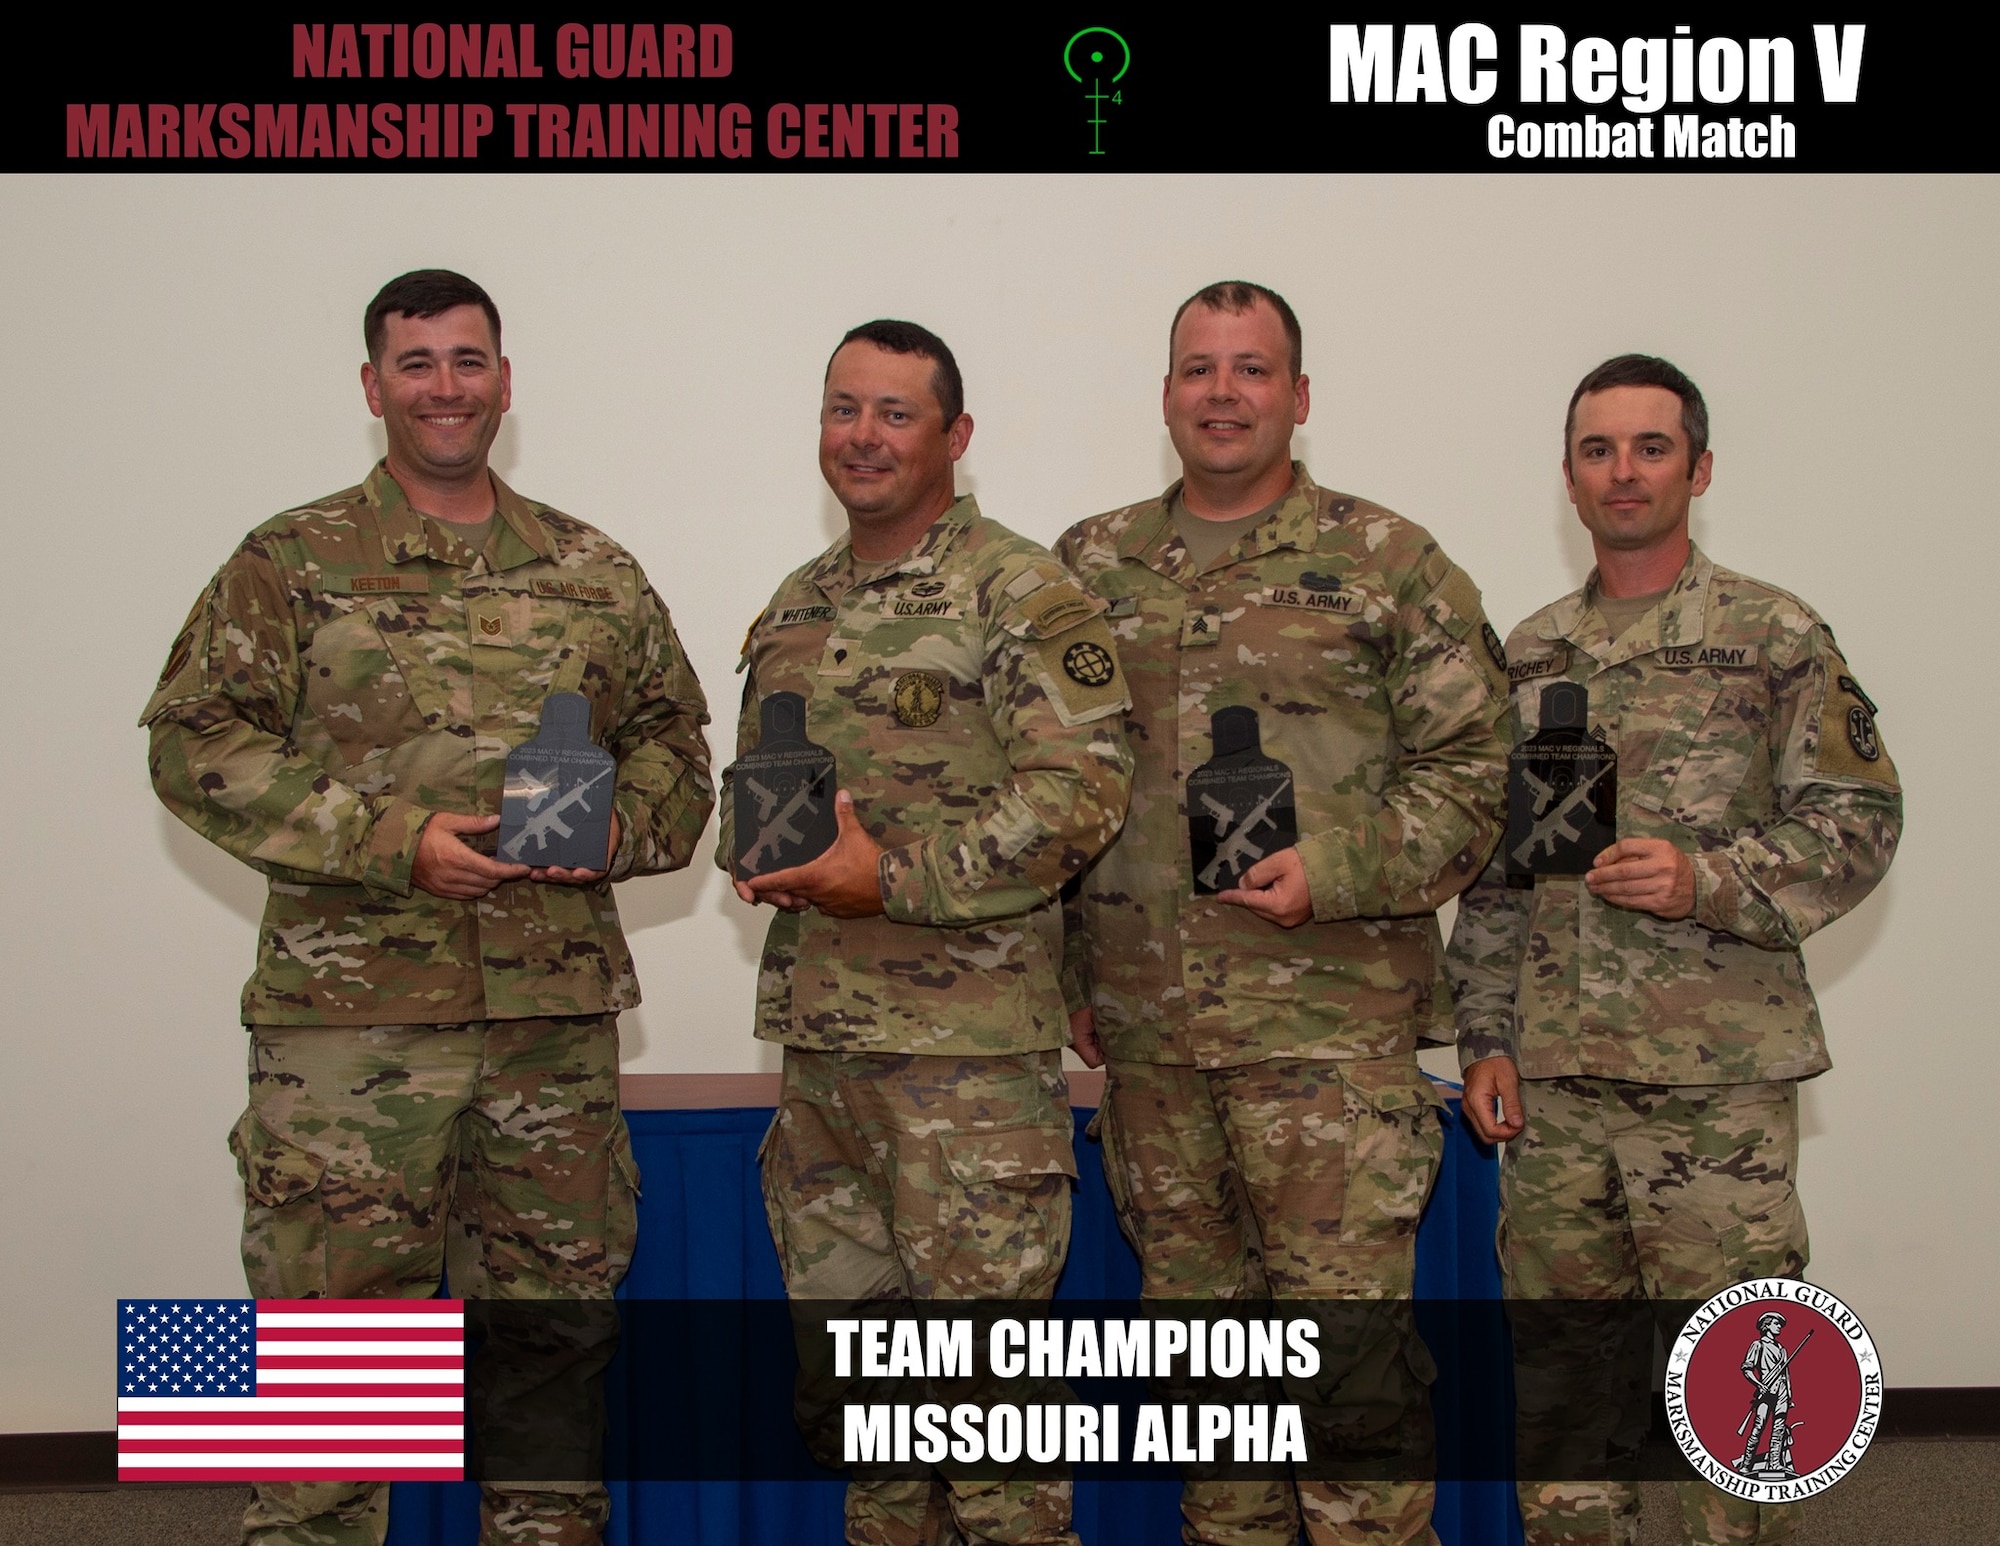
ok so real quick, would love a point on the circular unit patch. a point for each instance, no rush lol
(919, 698)
(1774, 1390)
(1861, 734)
(1089, 664)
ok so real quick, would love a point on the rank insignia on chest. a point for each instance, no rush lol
(1240, 805)
(919, 698)
(1562, 792)
(555, 807)
(1200, 628)
(783, 792)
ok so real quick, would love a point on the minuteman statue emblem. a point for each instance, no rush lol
(1774, 1390)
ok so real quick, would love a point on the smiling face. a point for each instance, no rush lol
(884, 447)
(1627, 469)
(439, 386)
(1230, 400)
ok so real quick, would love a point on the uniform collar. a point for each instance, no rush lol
(832, 570)
(1677, 620)
(518, 538)
(1152, 540)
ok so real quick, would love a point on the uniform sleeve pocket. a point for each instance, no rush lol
(1394, 1143)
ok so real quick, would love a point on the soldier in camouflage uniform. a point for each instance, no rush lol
(1264, 1108)
(423, 1019)
(969, 694)
(1643, 1028)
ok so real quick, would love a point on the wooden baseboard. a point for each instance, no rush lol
(77, 1462)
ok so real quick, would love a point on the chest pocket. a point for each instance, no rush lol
(1714, 740)
(364, 682)
(913, 677)
(557, 644)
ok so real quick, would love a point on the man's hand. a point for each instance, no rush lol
(1083, 1038)
(1274, 888)
(445, 867)
(1644, 874)
(843, 882)
(1492, 1101)
(555, 875)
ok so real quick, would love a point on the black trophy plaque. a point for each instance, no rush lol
(555, 808)
(1562, 791)
(784, 792)
(1239, 804)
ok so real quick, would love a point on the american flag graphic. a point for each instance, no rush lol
(291, 1390)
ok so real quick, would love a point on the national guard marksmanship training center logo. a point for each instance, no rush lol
(1773, 1390)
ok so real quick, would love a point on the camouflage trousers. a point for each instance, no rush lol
(372, 1155)
(905, 1176)
(1616, 1190)
(1292, 1178)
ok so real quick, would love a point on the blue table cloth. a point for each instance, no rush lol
(702, 1236)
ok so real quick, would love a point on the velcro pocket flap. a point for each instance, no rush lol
(1389, 1084)
(1007, 1156)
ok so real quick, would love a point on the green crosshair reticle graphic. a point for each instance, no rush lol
(1095, 58)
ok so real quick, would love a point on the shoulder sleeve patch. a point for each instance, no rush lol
(1079, 671)
(1455, 606)
(1850, 745)
(1454, 602)
(186, 674)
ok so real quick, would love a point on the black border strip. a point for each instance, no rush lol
(75, 1462)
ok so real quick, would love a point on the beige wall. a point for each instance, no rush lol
(181, 357)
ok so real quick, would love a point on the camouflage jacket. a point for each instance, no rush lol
(971, 700)
(1377, 680)
(1743, 740)
(353, 668)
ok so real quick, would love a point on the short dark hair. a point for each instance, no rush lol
(424, 292)
(1645, 370)
(947, 385)
(1240, 295)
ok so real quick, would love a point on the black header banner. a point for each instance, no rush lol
(989, 91)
